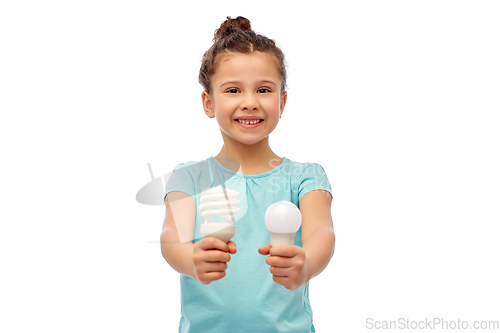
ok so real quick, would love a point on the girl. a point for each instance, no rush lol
(263, 288)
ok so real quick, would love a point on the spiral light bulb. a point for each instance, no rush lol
(283, 219)
(221, 202)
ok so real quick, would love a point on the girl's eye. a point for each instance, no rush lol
(263, 90)
(232, 91)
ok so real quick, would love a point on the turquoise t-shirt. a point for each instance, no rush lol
(247, 299)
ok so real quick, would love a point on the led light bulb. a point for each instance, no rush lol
(222, 202)
(283, 219)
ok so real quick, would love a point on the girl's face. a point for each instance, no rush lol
(245, 86)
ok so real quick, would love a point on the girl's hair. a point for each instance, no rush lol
(237, 35)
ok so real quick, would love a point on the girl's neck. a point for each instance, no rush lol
(253, 159)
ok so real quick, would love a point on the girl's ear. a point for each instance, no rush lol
(207, 104)
(283, 102)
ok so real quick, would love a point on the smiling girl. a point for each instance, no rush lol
(264, 288)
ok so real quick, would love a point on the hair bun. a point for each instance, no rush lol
(232, 25)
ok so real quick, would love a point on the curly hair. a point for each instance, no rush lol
(237, 35)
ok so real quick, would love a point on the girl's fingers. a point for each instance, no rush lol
(280, 280)
(214, 267)
(264, 250)
(279, 272)
(215, 255)
(278, 262)
(284, 251)
(212, 276)
(232, 247)
(212, 243)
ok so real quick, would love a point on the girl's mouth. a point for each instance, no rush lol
(251, 124)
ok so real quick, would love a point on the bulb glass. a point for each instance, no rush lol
(283, 217)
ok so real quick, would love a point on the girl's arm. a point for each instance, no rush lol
(205, 261)
(293, 266)
(318, 238)
(176, 236)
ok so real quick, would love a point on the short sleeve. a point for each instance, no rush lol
(180, 180)
(313, 178)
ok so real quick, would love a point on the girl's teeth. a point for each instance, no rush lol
(248, 122)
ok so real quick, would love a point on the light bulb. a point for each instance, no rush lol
(222, 202)
(283, 219)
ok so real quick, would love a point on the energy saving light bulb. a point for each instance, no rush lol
(221, 202)
(283, 219)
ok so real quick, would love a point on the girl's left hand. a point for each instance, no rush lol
(288, 264)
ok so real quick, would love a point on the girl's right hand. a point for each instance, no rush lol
(210, 257)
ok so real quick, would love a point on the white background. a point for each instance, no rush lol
(397, 100)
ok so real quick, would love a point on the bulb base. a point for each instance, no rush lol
(282, 238)
(221, 230)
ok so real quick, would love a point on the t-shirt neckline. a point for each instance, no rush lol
(258, 175)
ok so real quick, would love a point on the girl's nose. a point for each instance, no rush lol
(250, 102)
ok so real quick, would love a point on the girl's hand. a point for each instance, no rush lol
(210, 257)
(288, 265)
